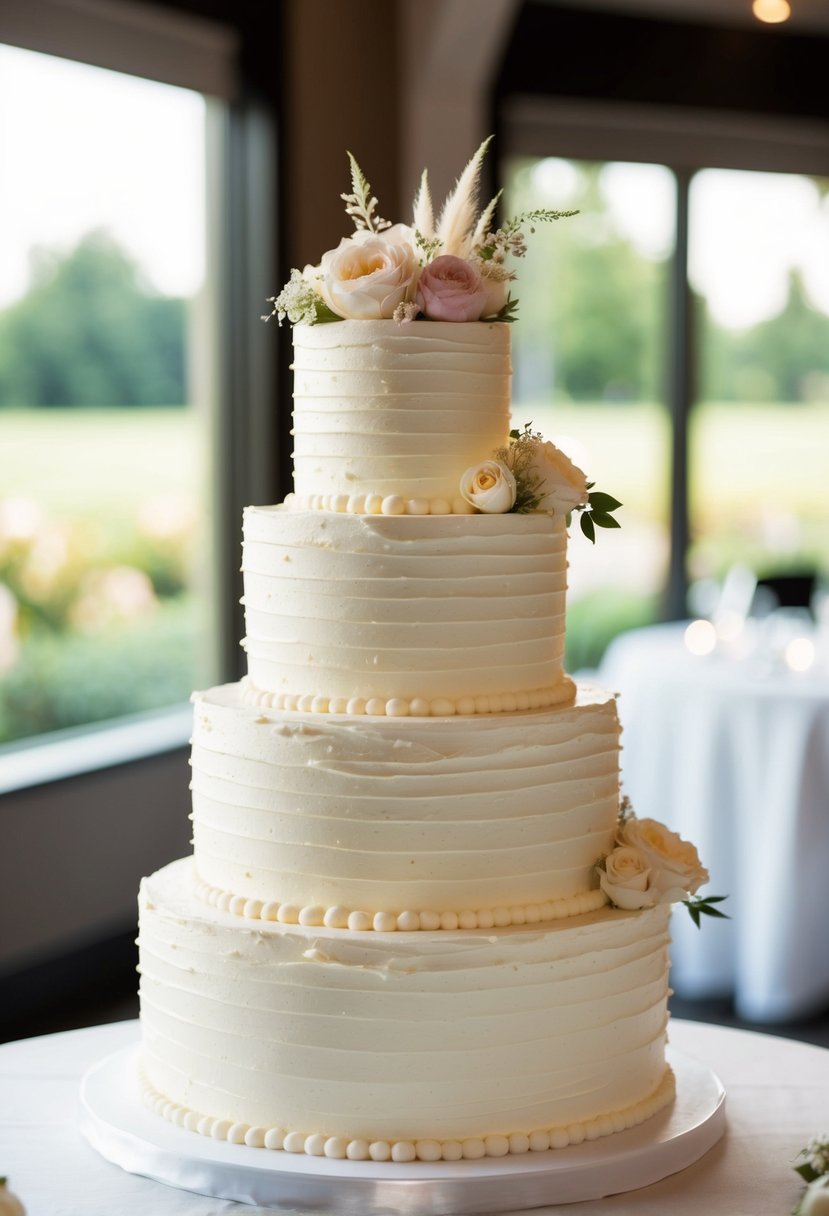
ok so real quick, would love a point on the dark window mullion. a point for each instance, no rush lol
(680, 393)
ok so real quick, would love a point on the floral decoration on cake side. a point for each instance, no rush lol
(652, 865)
(532, 475)
(813, 1168)
(449, 268)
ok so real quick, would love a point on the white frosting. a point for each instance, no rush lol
(399, 1037)
(404, 607)
(388, 409)
(394, 814)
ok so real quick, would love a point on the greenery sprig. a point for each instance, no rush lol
(596, 513)
(360, 205)
(701, 905)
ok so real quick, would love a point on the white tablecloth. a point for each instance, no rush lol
(778, 1097)
(735, 756)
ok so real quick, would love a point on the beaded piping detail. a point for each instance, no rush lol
(417, 707)
(360, 921)
(470, 1149)
(378, 504)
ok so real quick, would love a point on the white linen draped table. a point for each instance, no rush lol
(734, 755)
(777, 1100)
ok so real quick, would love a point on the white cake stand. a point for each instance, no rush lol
(117, 1124)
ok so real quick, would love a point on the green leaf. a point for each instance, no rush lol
(806, 1172)
(701, 906)
(587, 527)
(568, 519)
(514, 434)
(602, 520)
(604, 502)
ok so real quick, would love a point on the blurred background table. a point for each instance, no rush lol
(733, 753)
(776, 1102)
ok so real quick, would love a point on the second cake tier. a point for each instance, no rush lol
(403, 823)
(405, 614)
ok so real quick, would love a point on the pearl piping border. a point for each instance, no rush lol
(378, 504)
(471, 1148)
(416, 707)
(360, 921)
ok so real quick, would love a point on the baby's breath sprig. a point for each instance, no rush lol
(360, 205)
(429, 246)
(518, 457)
(300, 303)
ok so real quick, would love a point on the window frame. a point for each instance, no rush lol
(90, 787)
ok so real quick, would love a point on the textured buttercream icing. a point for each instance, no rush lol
(388, 409)
(343, 606)
(391, 943)
(399, 1037)
(387, 815)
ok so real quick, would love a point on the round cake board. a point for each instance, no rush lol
(122, 1129)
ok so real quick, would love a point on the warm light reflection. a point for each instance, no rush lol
(800, 654)
(700, 637)
(772, 11)
(728, 625)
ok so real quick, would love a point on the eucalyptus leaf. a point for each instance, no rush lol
(603, 520)
(603, 502)
(806, 1172)
(587, 527)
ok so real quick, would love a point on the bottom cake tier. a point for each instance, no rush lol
(397, 1045)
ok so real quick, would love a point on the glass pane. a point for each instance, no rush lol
(103, 507)
(759, 262)
(588, 352)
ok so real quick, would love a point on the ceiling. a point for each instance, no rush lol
(807, 15)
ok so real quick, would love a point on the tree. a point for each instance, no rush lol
(90, 332)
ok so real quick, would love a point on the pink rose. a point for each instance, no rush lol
(451, 289)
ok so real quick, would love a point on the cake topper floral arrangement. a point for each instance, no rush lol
(449, 268)
(652, 865)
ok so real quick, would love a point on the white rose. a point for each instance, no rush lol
(496, 291)
(676, 868)
(369, 274)
(625, 879)
(490, 487)
(562, 484)
(10, 1205)
(815, 1201)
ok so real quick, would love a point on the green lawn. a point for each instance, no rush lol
(759, 493)
(87, 461)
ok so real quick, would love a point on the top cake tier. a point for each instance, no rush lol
(383, 409)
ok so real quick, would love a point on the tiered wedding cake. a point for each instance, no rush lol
(396, 937)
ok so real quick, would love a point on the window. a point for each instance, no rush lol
(675, 333)
(104, 429)
(759, 435)
(589, 371)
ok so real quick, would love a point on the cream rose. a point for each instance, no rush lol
(561, 483)
(369, 274)
(450, 289)
(625, 879)
(496, 292)
(815, 1201)
(490, 487)
(676, 868)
